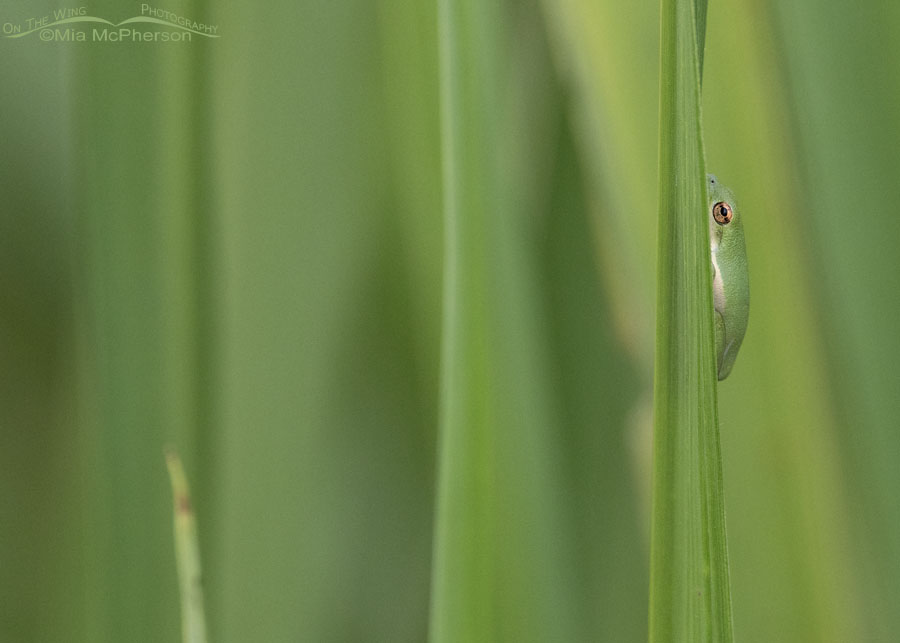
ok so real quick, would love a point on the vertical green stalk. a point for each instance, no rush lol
(689, 585)
(130, 305)
(700, 20)
(462, 593)
(187, 554)
(502, 570)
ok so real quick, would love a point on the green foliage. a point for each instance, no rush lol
(187, 554)
(501, 570)
(236, 246)
(689, 582)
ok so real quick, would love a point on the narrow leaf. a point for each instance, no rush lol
(502, 567)
(700, 18)
(689, 586)
(187, 554)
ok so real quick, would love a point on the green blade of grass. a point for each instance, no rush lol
(315, 343)
(700, 21)
(500, 565)
(462, 593)
(134, 296)
(849, 169)
(187, 554)
(689, 586)
(614, 112)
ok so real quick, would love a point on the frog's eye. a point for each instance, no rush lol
(722, 213)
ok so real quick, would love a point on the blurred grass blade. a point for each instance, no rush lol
(134, 304)
(500, 567)
(614, 113)
(849, 165)
(187, 554)
(462, 596)
(689, 584)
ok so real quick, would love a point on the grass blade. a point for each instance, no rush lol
(501, 571)
(187, 554)
(462, 593)
(700, 20)
(689, 587)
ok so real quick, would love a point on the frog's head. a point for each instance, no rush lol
(723, 213)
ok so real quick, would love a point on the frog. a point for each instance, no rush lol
(730, 277)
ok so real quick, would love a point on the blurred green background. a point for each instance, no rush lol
(234, 246)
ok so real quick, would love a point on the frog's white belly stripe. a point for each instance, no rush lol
(718, 285)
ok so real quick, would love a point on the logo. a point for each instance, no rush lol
(77, 25)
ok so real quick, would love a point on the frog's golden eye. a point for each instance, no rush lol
(722, 213)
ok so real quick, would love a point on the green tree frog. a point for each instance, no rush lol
(731, 283)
